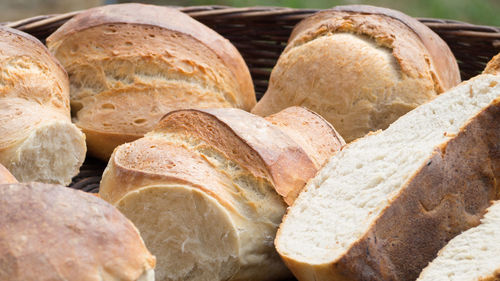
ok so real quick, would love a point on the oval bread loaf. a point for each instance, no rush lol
(493, 66)
(38, 142)
(204, 189)
(360, 67)
(384, 205)
(50, 232)
(130, 64)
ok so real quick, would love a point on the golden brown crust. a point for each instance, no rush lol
(493, 66)
(312, 132)
(448, 195)
(251, 141)
(166, 18)
(17, 47)
(391, 29)
(53, 233)
(6, 176)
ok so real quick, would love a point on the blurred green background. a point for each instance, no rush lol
(474, 11)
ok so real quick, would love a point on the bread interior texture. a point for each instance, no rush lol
(52, 153)
(345, 199)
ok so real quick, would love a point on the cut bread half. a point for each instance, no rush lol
(203, 189)
(472, 255)
(385, 204)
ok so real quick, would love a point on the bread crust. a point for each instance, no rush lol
(250, 140)
(313, 133)
(54, 233)
(448, 195)
(6, 176)
(493, 66)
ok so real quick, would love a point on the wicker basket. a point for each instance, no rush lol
(261, 33)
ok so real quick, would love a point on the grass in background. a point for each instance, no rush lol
(474, 11)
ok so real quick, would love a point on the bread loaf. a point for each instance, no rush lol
(384, 205)
(38, 141)
(203, 188)
(360, 67)
(130, 64)
(472, 255)
(493, 66)
(6, 176)
(50, 232)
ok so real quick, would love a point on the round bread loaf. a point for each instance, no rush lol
(38, 141)
(50, 232)
(360, 67)
(130, 64)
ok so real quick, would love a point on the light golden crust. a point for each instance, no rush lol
(448, 195)
(312, 132)
(156, 58)
(54, 233)
(251, 141)
(359, 70)
(6, 176)
(493, 66)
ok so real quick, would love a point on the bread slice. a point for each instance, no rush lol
(50, 232)
(385, 204)
(472, 255)
(38, 140)
(138, 63)
(202, 189)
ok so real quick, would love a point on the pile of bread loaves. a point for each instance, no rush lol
(197, 187)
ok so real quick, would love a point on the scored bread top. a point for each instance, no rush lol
(493, 66)
(165, 18)
(6, 176)
(251, 141)
(33, 73)
(51, 232)
(391, 29)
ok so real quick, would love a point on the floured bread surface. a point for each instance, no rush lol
(50, 232)
(38, 141)
(137, 63)
(384, 205)
(360, 68)
(472, 255)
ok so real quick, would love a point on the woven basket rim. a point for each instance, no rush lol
(200, 11)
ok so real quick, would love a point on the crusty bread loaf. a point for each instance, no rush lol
(130, 64)
(384, 205)
(38, 141)
(493, 66)
(203, 190)
(472, 255)
(6, 176)
(360, 67)
(51, 232)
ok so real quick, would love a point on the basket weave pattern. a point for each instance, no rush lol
(261, 33)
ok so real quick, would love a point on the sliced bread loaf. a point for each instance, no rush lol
(38, 142)
(385, 204)
(472, 255)
(204, 189)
